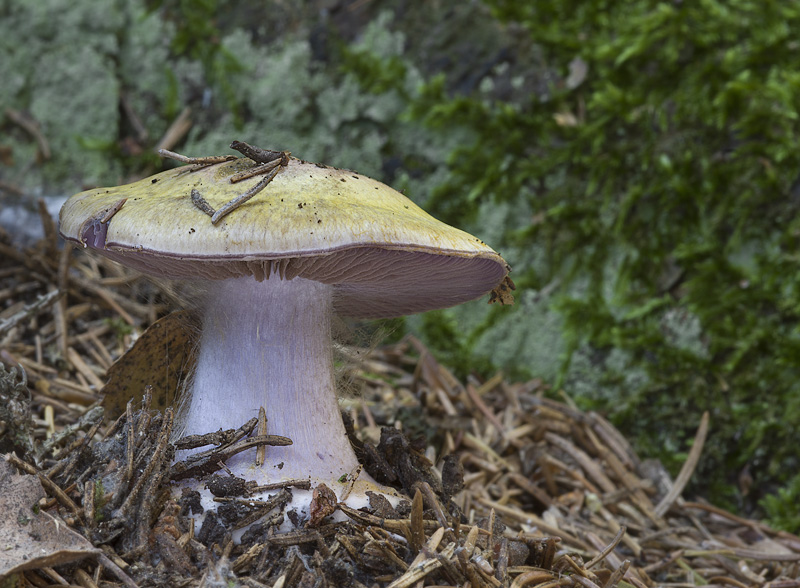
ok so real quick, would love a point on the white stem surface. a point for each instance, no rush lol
(269, 344)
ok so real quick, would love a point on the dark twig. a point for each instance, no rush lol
(279, 500)
(200, 161)
(300, 483)
(60, 495)
(208, 462)
(232, 205)
(225, 437)
(201, 203)
(29, 310)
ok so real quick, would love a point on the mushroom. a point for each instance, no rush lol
(317, 241)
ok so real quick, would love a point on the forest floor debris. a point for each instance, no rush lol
(505, 486)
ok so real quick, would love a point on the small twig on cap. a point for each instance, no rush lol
(202, 203)
(114, 209)
(242, 198)
(260, 155)
(201, 161)
(255, 171)
(268, 162)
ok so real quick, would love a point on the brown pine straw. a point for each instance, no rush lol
(549, 496)
(686, 471)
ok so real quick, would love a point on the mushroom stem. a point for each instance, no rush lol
(269, 344)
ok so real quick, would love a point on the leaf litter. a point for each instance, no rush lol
(506, 486)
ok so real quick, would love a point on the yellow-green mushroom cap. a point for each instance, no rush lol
(384, 255)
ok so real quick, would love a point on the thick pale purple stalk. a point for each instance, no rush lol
(269, 344)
